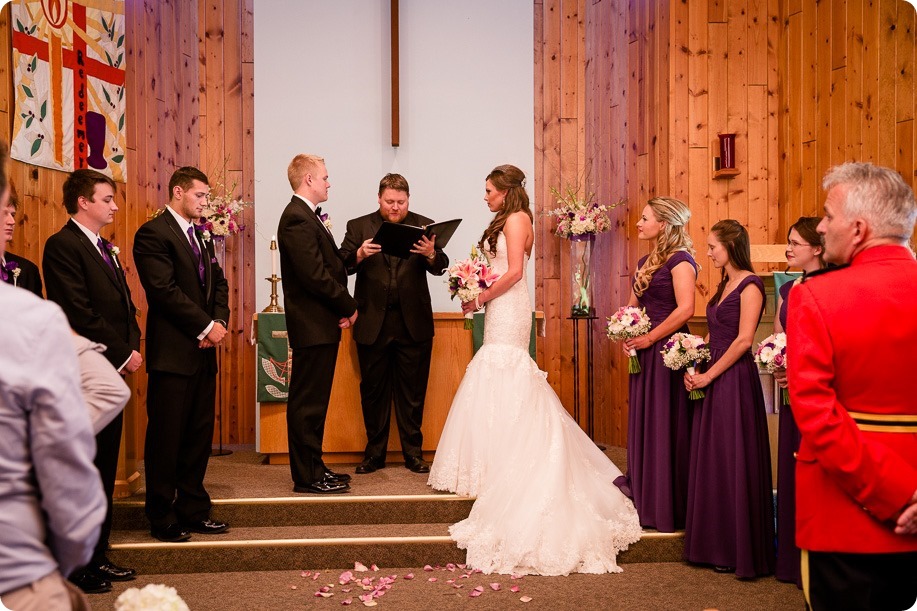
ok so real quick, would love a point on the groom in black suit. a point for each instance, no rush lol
(188, 301)
(84, 277)
(394, 335)
(317, 307)
(14, 269)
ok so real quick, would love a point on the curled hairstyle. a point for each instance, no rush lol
(878, 195)
(807, 228)
(395, 182)
(300, 166)
(734, 238)
(673, 214)
(184, 177)
(82, 183)
(510, 179)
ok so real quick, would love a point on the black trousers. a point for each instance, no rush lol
(395, 368)
(877, 582)
(179, 437)
(310, 392)
(108, 446)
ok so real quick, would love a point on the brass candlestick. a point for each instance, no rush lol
(273, 306)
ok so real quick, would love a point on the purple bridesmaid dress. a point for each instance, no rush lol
(659, 419)
(788, 437)
(730, 518)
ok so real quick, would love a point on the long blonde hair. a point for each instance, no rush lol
(674, 215)
(510, 179)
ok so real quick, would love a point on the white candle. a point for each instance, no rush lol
(273, 255)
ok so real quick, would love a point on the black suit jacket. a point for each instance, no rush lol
(179, 307)
(371, 290)
(29, 278)
(315, 295)
(95, 298)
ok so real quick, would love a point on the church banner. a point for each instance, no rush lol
(274, 358)
(68, 76)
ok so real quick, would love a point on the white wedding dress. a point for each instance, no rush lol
(546, 502)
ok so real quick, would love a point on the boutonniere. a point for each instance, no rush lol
(13, 268)
(202, 233)
(326, 220)
(114, 251)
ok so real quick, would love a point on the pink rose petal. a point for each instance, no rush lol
(450, 567)
(305, 573)
(314, 577)
(346, 601)
(359, 567)
(345, 589)
(495, 587)
(366, 597)
(457, 586)
(370, 603)
(462, 566)
(514, 589)
(526, 599)
(325, 589)
(374, 567)
(433, 579)
(463, 576)
(409, 576)
(345, 578)
(427, 568)
(476, 592)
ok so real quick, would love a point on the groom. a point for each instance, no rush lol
(317, 307)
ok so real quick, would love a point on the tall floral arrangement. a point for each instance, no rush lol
(223, 211)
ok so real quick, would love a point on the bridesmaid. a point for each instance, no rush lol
(659, 421)
(730, 521)
(804, 251)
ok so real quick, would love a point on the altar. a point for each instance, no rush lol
(345, 436)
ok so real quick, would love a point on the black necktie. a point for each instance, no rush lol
(318, 212)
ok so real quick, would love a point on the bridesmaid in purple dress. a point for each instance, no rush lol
(730, 522)
(659, 420)
(803, 251)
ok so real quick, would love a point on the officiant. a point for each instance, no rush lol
(394, 332)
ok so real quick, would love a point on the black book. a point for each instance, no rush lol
(397, 239)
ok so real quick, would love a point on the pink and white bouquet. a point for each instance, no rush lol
(771, 356)
(578, 217)
(468, 278)
(222, 216)
(626, 323)
(685, 351)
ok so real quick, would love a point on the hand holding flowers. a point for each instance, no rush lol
(684, 350)
(628, 322)
(469, 278)
(771, 356)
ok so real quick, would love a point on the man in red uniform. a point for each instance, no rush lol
(852, 331)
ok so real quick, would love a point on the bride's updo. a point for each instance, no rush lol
(510, 179)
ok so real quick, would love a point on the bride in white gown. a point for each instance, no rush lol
(546, 502)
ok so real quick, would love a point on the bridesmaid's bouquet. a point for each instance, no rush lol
(771, 356)
(468, 278)
(628, 322)
(684, 350)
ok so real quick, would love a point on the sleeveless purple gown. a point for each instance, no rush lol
(730, 519)
(659, 419)
(788, 437)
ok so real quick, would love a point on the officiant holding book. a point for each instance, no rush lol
(394, 332)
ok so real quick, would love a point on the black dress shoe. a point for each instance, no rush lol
(324, 486)
(112, 572)
(370, 465)
(724, 569)
(173, 533)
(89, 582)
(417, 464)
(206, 527)
(336, 477)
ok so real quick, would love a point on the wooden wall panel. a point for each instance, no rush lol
(165, 68)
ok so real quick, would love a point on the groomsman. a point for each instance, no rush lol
(317, 307)
(14, 269)
(851, 329)
(188, 301)
(84, 277)
(394, 335)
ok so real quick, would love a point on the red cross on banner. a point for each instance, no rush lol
(68, 63)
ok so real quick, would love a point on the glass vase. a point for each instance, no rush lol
(581, 275)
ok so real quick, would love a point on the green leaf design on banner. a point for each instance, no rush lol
(28, 92)
(121, 122)
(34, 64)
(36, 145)
(28, 121)
(104, 23)
(107, 97)
(19, 25)
(120, 40)
(117, 159)
(44, 110)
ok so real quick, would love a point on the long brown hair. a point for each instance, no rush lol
(734, 239)
(673, 214)
(807, 228)
(510, 179)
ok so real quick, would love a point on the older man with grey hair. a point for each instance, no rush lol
(851, 330)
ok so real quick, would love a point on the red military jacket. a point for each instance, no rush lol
(852, 340)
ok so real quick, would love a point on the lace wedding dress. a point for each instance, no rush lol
(546, 502)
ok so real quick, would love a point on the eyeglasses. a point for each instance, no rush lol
(794, 244)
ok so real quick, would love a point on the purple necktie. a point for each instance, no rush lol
(3, 275)
(197, 253)
(105, 254)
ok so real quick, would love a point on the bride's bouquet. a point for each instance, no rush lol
(628, 322)
(684, 350)
(468, 278)
(771, 356)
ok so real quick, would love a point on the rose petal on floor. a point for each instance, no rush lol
(346, 601)
(359, 567)
(409, 576)
(514, 589)
(526, 599)
(427, 568)
(495, 587)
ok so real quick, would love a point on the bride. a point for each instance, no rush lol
(546, 502)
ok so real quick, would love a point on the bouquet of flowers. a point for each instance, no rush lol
(684, 350)
(628, 322)
(223, 214)
(468, 278)
(579, 216)
(771, 356)
(152, 596)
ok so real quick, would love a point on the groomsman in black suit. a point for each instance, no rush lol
(188, 301)
(84, 277)
(14, 269)
(395, 332)
(317, 307)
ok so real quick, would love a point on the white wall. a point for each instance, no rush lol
(323, 86)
